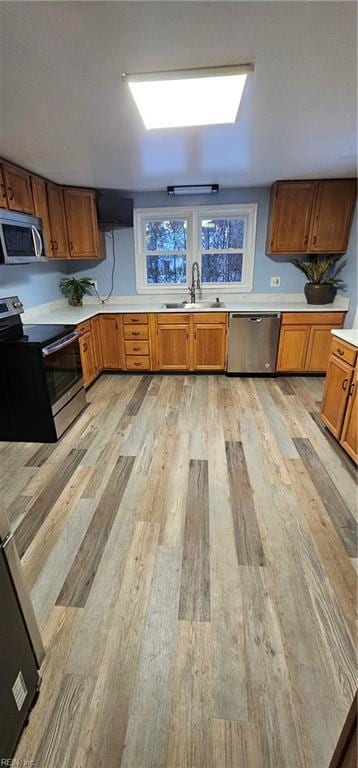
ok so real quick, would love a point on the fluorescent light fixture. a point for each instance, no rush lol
(194, 189)
(189, 96)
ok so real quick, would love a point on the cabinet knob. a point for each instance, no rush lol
(10, 193)
(351, 389)
(314, 240)
(55, 243)
(344, 384)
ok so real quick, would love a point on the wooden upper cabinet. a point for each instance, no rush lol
(112, 341)
(336, 390)
(290, 216)
(56, 210)
(209, 346)
(3, 198)
(82, 223)
(332, 218)
(41, 210)
(349, 436)
(310, 216)
(18, 189)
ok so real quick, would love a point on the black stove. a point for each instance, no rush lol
(41, 385)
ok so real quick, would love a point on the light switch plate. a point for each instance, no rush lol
(275, 282)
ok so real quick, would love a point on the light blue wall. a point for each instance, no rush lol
(39, 283)
(34, 283)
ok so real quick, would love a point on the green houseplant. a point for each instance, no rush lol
(322, 275)
(74, 290)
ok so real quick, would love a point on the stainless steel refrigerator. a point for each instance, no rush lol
(21, 649)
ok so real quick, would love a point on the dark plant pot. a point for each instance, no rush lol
(320, 293)
(75, 303)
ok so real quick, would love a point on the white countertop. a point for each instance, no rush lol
(350, 335)
(66, 315)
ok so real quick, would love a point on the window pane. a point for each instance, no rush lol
(222, 233)
(165, 235)
(221, 267)
(166, 269)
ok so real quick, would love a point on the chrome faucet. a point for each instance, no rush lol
(195, 282)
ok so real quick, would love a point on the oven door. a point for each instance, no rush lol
(21, 239)
(63, 370)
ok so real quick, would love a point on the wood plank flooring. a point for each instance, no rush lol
(190, 547)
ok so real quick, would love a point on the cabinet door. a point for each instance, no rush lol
(3, 198)
(318, 351)
(292, 348)
(82, 225)
(57, 221)
(332, 218)
(336, 389)
(97, 346)
(41, 210)
(209, 347)
(87, 358)
(112, 341)
(18, 189)
(349, 436)
(290, 216)
(173, 347)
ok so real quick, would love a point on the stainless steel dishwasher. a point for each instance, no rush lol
(253, 340)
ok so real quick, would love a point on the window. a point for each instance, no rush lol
(169, 240)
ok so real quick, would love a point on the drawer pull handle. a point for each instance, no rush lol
(136, 333)
(340, 351)
(134, 320)
(136, 349)
(351, 389)
(138, 364)
(10, 193)
(344, 384)
(85, 347)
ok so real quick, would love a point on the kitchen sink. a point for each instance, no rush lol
(194, 305)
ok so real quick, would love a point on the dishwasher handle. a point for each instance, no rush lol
(255, 318)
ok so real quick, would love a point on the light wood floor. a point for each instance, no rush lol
(189, 546)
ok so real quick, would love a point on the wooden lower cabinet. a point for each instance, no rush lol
(305, 341)
(292, 348)
(89, 367)
(112, 341)
(173, 346)
(209, 347)
(97, 342)
(349, 436)
(339, 410)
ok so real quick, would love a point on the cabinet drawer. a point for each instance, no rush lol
(135, 319)
(135, 332)
(136, 347)
(134, 361)
(84, 327)
(216, 318)
(313, 318)
(344, 351)
(167, 318)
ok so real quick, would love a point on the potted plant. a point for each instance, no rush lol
(322, 274)
(74, 290)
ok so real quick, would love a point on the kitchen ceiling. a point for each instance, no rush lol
(66, 114)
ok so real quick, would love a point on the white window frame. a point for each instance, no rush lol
(194, 215)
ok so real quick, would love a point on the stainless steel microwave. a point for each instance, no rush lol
(21, 238)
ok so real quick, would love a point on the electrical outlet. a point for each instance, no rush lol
(275, 282)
